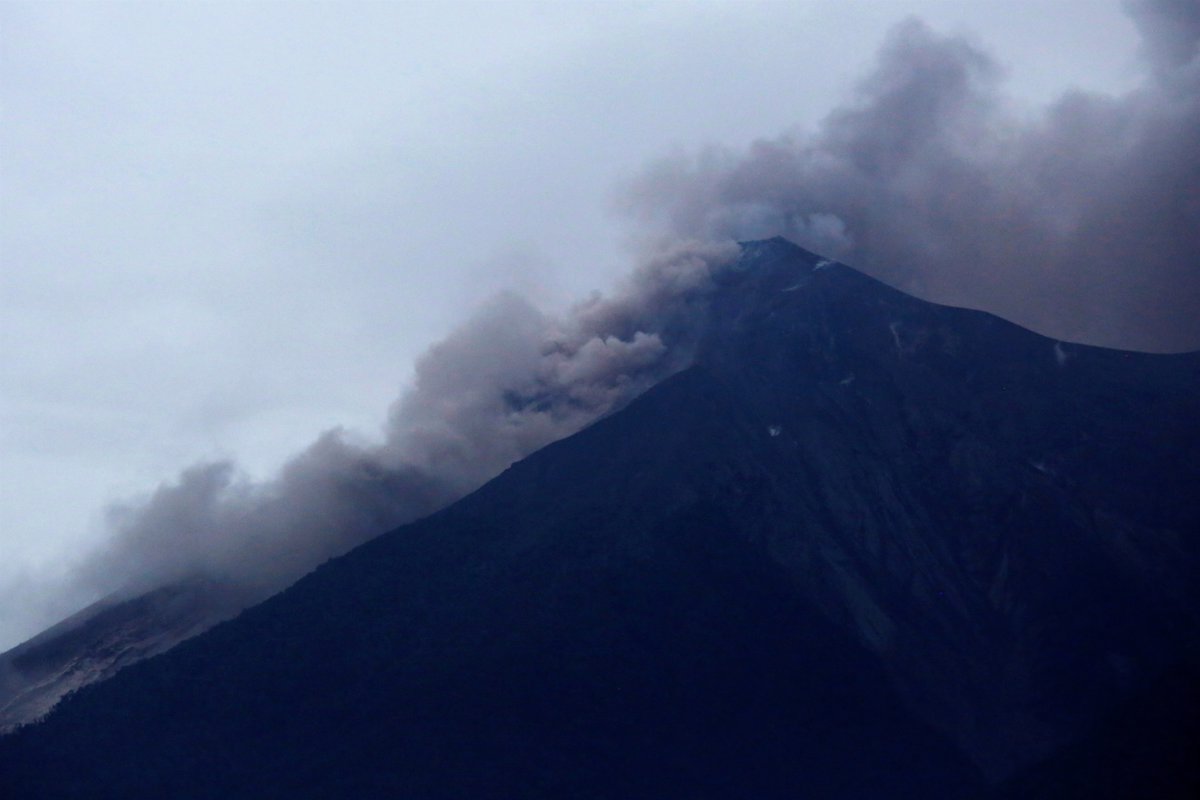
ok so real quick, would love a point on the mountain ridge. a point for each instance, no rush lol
(991, 529)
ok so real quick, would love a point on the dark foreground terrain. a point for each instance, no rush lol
(865, 547)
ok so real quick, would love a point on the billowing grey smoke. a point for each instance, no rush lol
(506, 383)
(1082, 222)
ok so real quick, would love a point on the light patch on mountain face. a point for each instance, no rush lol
(774, 431)
(894, 327)
(846, 381)
(824, 263)
(1043, 468)
(1060, 354)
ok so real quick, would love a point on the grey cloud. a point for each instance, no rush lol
(1170, 31)
(506, 383)
(1082, 222)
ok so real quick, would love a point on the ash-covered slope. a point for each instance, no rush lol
(104, 638)
(865, 546)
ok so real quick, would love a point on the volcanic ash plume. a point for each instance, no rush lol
(1081, 221)
(506, 383)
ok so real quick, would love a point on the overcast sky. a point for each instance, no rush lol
(225, 228)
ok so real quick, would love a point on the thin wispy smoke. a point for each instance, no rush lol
(1081, 221)
(506, 383)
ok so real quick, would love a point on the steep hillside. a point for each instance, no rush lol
(864, 546)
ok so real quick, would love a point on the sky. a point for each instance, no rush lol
(226, 228)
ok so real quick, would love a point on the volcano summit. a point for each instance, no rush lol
(859, 545)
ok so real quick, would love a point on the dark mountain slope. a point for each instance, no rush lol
(1008, 520)
(591, 624)
(1148, 748)
(860, 529)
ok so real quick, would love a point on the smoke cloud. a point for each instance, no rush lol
(1081, 221)
(506, 383)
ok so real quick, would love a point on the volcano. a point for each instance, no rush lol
(863, 545)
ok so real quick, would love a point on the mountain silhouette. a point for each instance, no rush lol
(864, 546)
